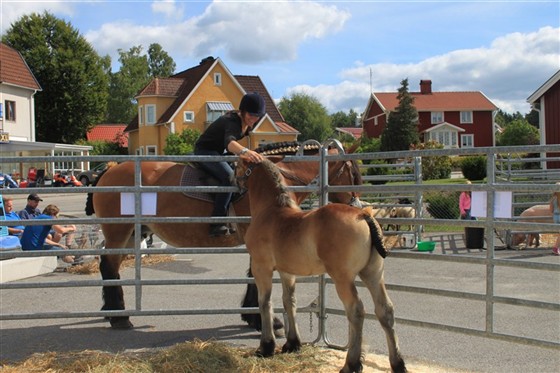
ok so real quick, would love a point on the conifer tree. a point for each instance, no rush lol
(401, 130)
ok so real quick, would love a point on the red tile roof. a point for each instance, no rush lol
(255, 84)
(14, 69)
(356, 132)
(109, 133)
(440, 101)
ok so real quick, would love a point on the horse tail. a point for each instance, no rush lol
(376, 233)
(90, 210)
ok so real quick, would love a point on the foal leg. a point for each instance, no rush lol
(372, 277)
(263, 279)
(293, 341)
(355, 313)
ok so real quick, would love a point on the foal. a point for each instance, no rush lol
(337, 239)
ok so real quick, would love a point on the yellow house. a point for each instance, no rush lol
(193, 99)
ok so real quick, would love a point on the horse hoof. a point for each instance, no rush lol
(120, 323)
(266, 349)
(277, 324)
(352, 368)
(291, 347)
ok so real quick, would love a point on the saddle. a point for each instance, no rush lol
(193, 176)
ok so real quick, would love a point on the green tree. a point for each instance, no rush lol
(136, 71)
(71, 73)
(181, 143)
(533, 118)
(160, 64)
(342, 119)
(401, 130)
(307, 115)
(519, 132)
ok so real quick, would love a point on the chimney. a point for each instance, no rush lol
(426, 87)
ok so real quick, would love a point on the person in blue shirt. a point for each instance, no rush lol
(31, 210)
(10, 214)
(36, 237)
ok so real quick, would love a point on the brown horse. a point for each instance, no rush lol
(337, 239)
(173, 204)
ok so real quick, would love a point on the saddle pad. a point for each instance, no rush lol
(194, 176)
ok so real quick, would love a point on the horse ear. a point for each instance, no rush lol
(275, 158)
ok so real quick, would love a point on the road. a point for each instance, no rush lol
(20, 338)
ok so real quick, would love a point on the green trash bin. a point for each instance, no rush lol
(474, 238)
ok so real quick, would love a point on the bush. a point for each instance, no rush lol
(443, 205)
(474, 167)
(434, 167)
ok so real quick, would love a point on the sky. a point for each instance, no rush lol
(337, 51)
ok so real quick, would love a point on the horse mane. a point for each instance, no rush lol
(89, 201)
(284, 197)
(285, 148)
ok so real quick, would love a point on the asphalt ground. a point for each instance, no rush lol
(21, 338)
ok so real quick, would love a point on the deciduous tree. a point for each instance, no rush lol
(71, 74)
(307, 115)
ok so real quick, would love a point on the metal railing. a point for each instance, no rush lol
(490, 224)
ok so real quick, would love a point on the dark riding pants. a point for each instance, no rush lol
(224, 173)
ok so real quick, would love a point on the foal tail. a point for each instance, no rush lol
(376, 234)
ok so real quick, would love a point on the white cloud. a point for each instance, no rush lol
(507, 72)
(168, 8)
(12, 11)
(246, 32)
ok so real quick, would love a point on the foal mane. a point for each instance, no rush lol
(284, 198)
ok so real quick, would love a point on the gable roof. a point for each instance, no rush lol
(445, 125)
(543, 88)
(109, 133)
(183, 84)
(14, 70)
(438, 101)
(355, 132)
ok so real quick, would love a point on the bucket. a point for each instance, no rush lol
(474, 238)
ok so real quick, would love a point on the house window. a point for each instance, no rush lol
(466, 117)
(375, 121)
(151, 150)
(217, 79)
(150, 114)
(11, 110)
(140, 115)
(447, 138)
(214, 110)
(188, 116)
(437, 117)
(139, 151)
(467, 141)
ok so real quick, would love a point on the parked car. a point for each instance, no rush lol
(89, 176)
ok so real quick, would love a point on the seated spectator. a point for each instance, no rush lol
(36, 237)
(31, 210)
(10, 214)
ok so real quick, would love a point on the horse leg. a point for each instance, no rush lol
(263, 279)
(372, 277)
(109, 266)
(251, 299)
(293, 341)
(113, 295)
(355, 314)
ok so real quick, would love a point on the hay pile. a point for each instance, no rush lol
(199, 357)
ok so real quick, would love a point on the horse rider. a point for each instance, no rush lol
(222, 137)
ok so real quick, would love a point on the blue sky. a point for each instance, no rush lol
(337, 51)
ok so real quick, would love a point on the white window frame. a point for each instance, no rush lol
(437, 117)
(218, 79)
(188, 116)
(141, 115)
(151, 150)
(139, 151)
(466, 117)
(467, 140)
(10, 111)
(447, 138)
(150, 121)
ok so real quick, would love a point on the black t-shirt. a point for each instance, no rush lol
(220, 133)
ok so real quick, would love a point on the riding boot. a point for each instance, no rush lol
(217, 230)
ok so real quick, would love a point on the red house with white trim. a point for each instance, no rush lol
(454, 119)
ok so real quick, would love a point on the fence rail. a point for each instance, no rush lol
(383, 194)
